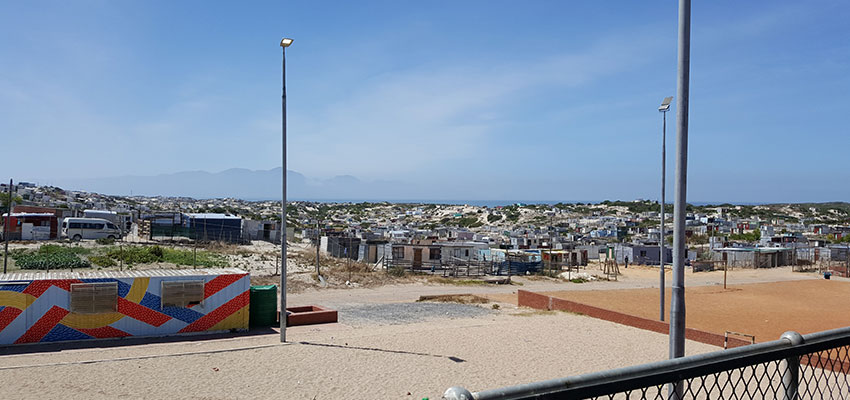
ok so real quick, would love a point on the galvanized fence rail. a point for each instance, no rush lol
(813, 366)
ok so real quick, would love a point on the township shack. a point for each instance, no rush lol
(565, 257)
(754, 257)
(67, 306)
(220, 227)
(31, 226)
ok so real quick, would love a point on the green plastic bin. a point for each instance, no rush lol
(263, 308)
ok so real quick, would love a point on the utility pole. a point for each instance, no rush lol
(677, 306)
(348, 261)
(318, 241)
(6, 228)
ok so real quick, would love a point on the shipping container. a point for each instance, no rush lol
(65, 306)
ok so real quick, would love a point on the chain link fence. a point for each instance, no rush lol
(813, 366)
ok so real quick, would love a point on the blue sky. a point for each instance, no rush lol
(549, 100)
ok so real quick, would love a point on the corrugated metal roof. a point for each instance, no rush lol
(31, 276)
(211, 216)
(753, 249)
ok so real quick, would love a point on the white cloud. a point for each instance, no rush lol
(423, 119)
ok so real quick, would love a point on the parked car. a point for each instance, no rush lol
(89, 228)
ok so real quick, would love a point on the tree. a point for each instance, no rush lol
(4, 200)
(754, 236)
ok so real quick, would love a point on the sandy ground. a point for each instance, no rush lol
(385, 357)
(338, 361)
(632, 278)
(765, 310)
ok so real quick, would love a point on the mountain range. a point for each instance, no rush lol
(240, 183)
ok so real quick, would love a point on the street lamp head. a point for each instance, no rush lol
(285, 42)
(665, 105)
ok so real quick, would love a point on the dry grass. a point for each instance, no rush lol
(533, 313)
(222, 247)
(542, 312)
(344, 273)
(453, 281)
(455, 298)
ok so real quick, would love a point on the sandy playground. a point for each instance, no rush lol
(765, 310)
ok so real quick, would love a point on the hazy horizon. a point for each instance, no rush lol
(264, 185)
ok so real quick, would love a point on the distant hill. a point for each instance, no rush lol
(240, 183)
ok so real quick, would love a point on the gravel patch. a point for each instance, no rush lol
(406, 313)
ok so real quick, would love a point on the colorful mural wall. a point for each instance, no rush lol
(38, 310)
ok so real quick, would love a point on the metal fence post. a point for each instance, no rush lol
(790, 368)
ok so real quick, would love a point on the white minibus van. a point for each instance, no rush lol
(89, 228)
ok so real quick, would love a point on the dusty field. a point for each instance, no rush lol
(339, 361)
(387, 346)
(765, 310)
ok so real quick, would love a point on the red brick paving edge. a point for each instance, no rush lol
(543, 302)
(549, 303)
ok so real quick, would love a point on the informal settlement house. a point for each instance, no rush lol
(440, 253)
(62, 306)
(565, 258)
(754, 257)
(642, 254)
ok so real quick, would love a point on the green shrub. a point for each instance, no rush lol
(199, 258)
(15, 253)
(58, 260)
(55, 248)
(155, 254)
(105, 241)
(156, 251)
(135, 255)
(102, 261)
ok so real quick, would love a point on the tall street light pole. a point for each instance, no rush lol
(677, 306)
(665, 106)
(284, 43)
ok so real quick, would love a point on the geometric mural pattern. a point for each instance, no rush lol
(38, 310)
